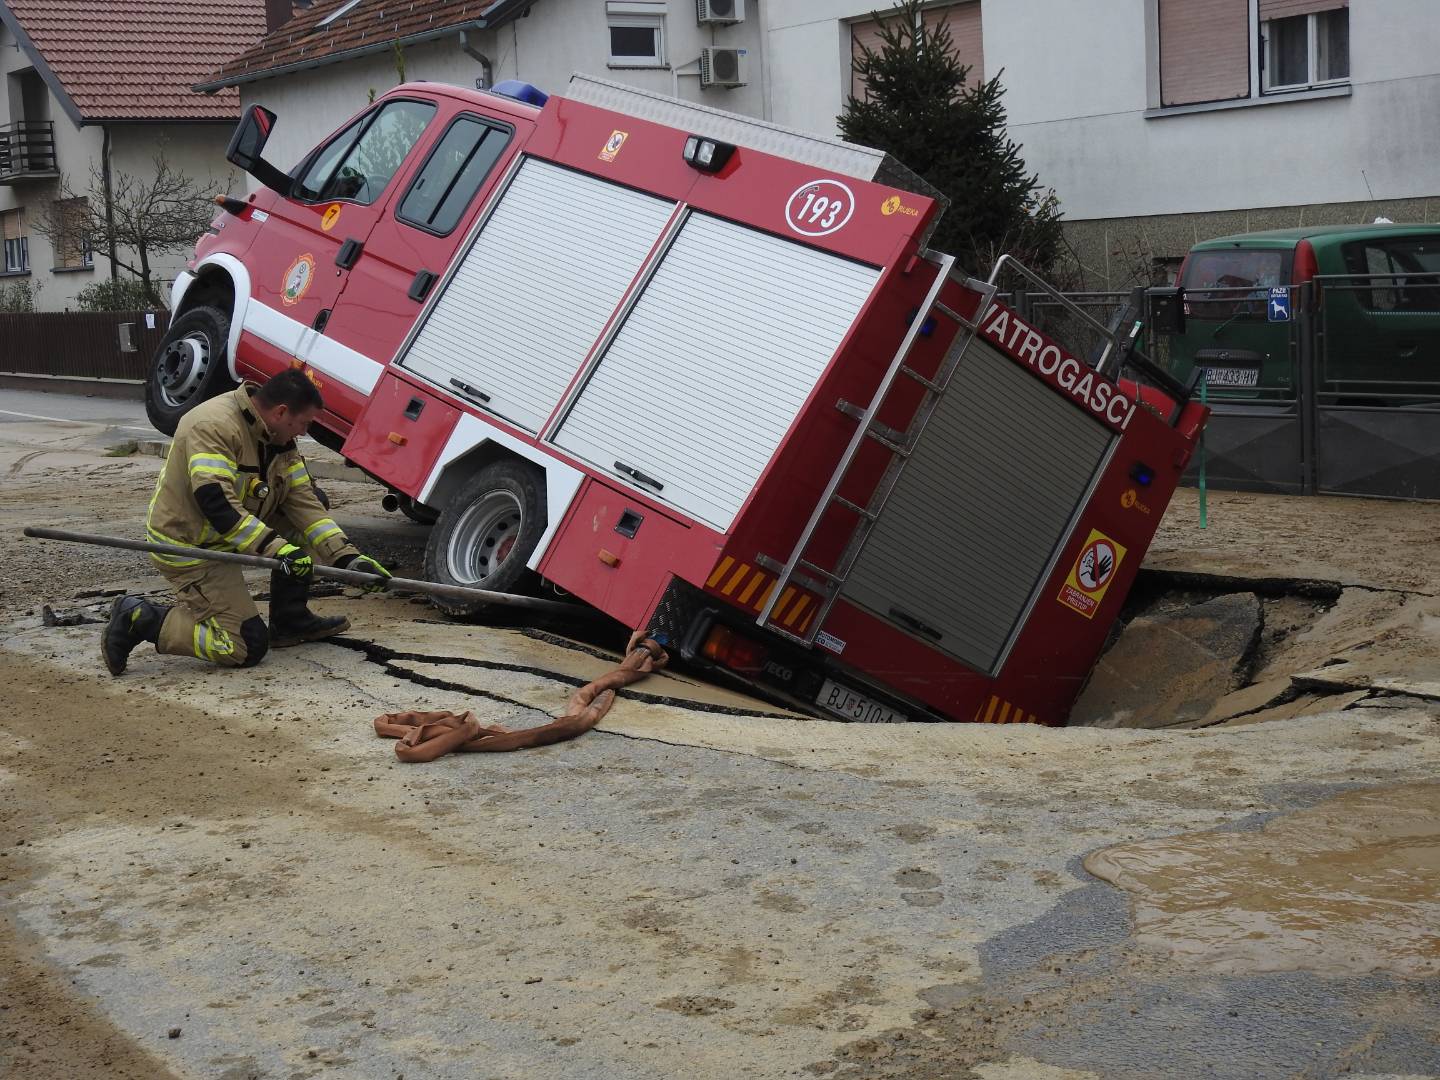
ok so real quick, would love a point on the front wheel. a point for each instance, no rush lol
(487, 533)
(191, 366)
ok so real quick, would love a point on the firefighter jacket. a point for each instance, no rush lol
(225, 482)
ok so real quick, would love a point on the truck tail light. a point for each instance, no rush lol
(1305, 264)
(729, 649)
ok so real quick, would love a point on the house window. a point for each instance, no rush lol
(72, 241)
(963, 21)
(17, 244)
(1311, 48)
(1209, 50)
(637, 34)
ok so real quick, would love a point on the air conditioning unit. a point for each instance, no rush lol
(722, 67)
(720, 11)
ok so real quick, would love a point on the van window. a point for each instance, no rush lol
(359, 163)
(1411, 269)
(1233, 284)
(456, 169)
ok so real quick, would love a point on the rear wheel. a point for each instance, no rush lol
(487, 533)
(191, 366)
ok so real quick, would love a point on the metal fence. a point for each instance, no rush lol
(80, 344)
(1350, 402)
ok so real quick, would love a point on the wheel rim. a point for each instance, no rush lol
(484, 536)
(181, 369)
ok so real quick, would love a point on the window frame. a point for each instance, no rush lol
(21, 242)
(486, 121)
(365, 121)
(655, 22)
(1258, 47)
(1312, 54)
(79, 244)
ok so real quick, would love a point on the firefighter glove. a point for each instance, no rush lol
(294, 562)
(366, 565)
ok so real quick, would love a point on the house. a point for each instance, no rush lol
(91, 93)
(1160, 122)
(319, 63)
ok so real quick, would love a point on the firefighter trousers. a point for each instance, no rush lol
(216, 618)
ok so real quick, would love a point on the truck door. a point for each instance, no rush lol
(314, 238)
(413, 242)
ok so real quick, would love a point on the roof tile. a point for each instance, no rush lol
(137, 59)
(370, 23)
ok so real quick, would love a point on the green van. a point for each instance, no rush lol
(1376, 326)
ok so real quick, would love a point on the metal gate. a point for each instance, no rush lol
(1377, 425)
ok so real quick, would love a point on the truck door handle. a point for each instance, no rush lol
(349, 253)
(423, 283)
(470, 391)
(924, 629)
(321, 318)
(638, 476)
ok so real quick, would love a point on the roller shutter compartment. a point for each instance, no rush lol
(713, 364)
(976, 517)
(536, 288)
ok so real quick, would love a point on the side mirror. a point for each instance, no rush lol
(247, 145)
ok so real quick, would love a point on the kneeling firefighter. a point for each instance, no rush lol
(234, 481)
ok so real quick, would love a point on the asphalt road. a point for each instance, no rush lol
(111, 414)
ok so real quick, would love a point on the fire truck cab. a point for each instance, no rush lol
(705, 374)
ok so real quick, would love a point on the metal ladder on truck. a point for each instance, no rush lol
(827, 583)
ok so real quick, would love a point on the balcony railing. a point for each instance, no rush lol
(27, 151)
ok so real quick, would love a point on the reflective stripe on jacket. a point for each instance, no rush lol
(222, 481)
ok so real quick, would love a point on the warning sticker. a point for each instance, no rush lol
(613, 145)
(1092, 573)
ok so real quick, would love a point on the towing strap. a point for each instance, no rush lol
(425, 736)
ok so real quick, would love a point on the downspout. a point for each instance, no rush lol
(487, 69)
(109, 202)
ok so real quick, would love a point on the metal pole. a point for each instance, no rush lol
(352, 577)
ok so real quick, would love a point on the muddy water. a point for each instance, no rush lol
(1347, 886)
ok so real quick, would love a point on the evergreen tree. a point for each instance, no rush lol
(919, 109)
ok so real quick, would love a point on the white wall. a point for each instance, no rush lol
(1076, 80)
(557, 38)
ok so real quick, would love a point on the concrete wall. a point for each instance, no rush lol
(557, 38)
(196, 149)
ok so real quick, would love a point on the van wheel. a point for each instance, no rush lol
(487, 534)
(191, 366)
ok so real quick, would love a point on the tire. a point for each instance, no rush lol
(190, 366)
(486, 535)
(418, 512)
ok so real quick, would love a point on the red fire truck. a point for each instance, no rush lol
(703, 373)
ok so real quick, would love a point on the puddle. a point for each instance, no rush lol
(1347, 886)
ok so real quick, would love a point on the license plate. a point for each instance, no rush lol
(844, 702)
(1232, 376)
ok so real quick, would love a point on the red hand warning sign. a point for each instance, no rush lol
(1092, 574)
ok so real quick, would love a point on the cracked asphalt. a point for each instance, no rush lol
(226, 874)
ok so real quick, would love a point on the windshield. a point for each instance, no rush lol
(1231, 284)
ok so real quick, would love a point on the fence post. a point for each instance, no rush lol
(1308, 328)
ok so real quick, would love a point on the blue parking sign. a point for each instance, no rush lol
(1279, 306)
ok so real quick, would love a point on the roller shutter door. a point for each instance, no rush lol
(536, 288)
(713, 363)
(980, 509)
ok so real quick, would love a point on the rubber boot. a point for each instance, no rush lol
(291, 621)
(133, 619)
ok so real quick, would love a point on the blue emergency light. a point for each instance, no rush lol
(521, 91)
